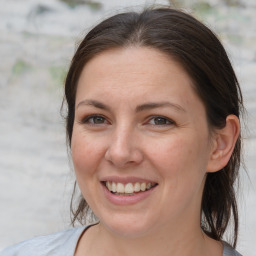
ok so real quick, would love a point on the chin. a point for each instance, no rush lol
(127, 226)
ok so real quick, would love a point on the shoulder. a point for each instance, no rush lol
(229, 251)
(57, 244)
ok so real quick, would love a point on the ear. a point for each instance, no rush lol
(223, 143)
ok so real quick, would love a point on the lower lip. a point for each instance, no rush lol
(127, 200)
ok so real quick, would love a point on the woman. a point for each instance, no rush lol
(153, 127)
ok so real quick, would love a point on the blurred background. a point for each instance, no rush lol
(37, 41)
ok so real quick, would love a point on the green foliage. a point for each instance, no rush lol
(202, 7)
(58, 74)
(92, 4)
(20, 67)
(234, 38)
(232, 2)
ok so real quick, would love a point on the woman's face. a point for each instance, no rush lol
(141, 131)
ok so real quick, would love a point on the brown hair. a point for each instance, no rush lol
(198, 50)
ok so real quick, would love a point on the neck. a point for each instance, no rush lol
(185, 241)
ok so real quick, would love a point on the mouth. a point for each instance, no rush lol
(128, 189)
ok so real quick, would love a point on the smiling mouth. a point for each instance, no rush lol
(128, 189)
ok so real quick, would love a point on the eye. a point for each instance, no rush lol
(95, 119)
(159, 120)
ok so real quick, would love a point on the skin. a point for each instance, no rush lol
(128, 141)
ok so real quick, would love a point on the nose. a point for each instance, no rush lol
(124, 148)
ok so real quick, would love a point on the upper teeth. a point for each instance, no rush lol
(128, 188)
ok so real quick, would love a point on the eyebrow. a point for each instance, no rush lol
(140, 108)
(153, 105)
(93, 103)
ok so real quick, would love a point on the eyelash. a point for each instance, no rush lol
(167, 121)
(86, 120)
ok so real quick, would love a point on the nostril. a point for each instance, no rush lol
(123, 157)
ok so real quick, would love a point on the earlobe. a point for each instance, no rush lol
(223, 144)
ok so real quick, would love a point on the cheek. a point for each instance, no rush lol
(85, 160)
(181, 166)
(180, 158)
(85, 153)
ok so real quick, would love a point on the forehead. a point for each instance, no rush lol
(138, 72)
(133, 60)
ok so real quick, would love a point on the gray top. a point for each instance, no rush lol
(64, 244)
